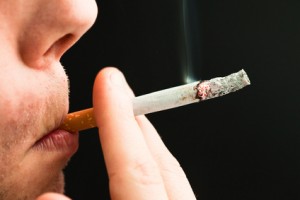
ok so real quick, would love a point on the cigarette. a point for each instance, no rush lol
(166, 99)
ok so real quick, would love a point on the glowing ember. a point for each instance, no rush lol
(203, 90)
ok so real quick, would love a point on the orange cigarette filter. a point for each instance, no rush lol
(78, 121)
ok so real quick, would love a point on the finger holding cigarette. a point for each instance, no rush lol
(166, 99)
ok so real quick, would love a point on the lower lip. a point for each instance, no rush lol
(59, 141)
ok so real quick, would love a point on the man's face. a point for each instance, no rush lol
(34, 34)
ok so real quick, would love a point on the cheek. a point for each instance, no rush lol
(30, 101)
(31, 104)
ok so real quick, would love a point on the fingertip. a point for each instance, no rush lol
(52, 196)
(103, 77)
(113, 75)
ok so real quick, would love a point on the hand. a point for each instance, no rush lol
(138, 163)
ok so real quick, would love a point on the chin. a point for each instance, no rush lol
(32, 189)
(55, 185)
(58, 184)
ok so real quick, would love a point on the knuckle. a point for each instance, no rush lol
(169, 164)
(139, 172)
(147, 173)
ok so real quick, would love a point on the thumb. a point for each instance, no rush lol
(52, 196)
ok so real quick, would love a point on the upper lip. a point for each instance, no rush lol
(52, 128)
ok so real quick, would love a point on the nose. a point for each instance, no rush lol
(52, 27)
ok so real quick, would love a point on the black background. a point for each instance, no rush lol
(242, 146)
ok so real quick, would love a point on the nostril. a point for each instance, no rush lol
(59, 47)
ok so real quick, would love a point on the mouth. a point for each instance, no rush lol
(59, 141)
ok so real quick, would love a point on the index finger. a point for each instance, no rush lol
(132, 171)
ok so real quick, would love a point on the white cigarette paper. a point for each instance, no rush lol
(167, 99)
(189, 93)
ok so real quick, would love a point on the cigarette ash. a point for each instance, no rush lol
(220, 86)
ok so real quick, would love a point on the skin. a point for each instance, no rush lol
(34, 101)
(139, 164)
(34, 34)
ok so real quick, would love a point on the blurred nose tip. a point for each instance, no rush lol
(84, 16)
